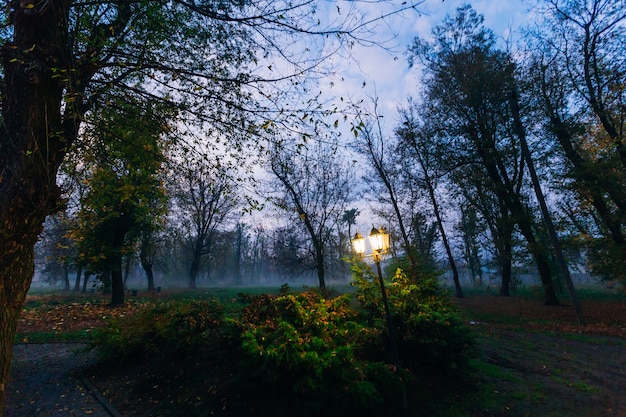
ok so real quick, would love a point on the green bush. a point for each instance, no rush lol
(430, 337)
(170, 327)
(312, 349)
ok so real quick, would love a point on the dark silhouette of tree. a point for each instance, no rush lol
(125, 199)
(205, 200)
(468, 82)
(313, 187)
(420, 154)
(576, 70)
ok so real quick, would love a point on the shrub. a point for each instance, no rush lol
(430, 337)
(311, 348)
(177, 326)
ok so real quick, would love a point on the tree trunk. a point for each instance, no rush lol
(521, 133)
(79, 272)
(237, 254)
(31, 149)
(541, 260)
(117, 281)
(66, 277)
(86, 281)
(506, 259)
(444, 238)
(126, 271)
(16, 272)
(147, 267)
(319, 254)
(522, 218)
(193, 271)
(150, 274)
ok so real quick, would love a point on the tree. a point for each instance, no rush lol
(314, 187)
(126, 198)
(468, 81)
(205, 198)
(61, 56)
(470, 228)
(576, 70)
(421, 154)
(56, 247)
(475, 189)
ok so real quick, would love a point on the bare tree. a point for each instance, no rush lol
(205, 199)
(420, 158)
(314, 188)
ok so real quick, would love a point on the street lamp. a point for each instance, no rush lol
(379, 240)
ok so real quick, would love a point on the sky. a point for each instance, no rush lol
(388, 76)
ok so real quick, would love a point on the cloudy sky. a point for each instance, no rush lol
(387, 75)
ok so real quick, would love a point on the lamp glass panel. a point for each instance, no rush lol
(385, 240)
(376, 239)
(358, 243)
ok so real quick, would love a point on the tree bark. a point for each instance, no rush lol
(66, 277)
(117, 281)
(523, 220)
(32, 145)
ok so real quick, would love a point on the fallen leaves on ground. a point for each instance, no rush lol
(601, 317)
(68, 313)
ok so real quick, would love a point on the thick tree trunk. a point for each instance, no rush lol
(521, 133)
(541, 260)
(66, 277)
(522, 218)
(150, 274)
(193, 271)
(116, 265)
(146, 264)
(16, 272)
(32, 144)
(117, 281)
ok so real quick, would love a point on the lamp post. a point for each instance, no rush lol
(380, 246)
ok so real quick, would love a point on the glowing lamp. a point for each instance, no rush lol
(358, 243)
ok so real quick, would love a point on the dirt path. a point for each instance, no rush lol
(45, 382)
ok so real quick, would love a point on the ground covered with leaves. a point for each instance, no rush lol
(537, 360)
(530, 359)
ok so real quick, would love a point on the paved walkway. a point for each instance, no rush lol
(46, 381)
